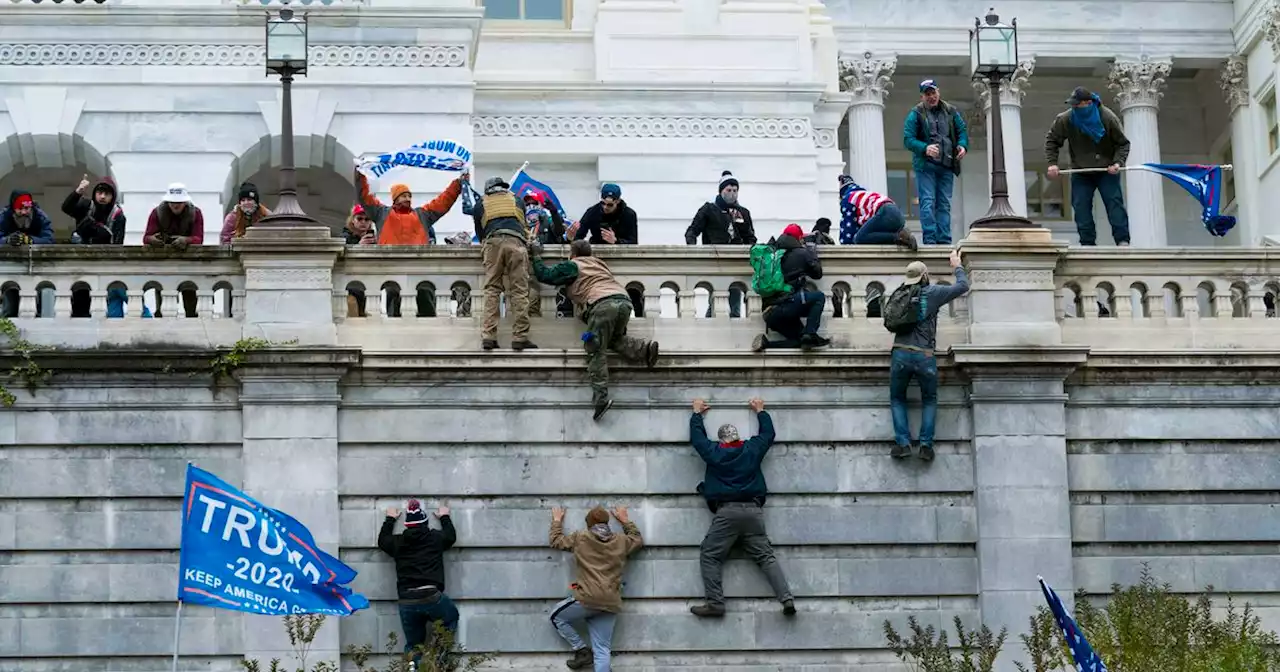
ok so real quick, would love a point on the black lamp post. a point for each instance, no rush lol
(993, 55)
(287, 56)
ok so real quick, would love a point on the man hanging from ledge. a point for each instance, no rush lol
(419, 558)
(401, 223)
(603, 303)
(735, 491)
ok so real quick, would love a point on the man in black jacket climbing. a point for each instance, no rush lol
(419, 558)
(797, 315)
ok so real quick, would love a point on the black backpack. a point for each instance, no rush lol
(904, 309)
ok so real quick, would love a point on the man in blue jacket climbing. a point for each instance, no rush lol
(735, 491)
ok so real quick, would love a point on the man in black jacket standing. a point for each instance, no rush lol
(419, 558)
(735, 491)
(723, 222)
(797, 315)
(609, 222)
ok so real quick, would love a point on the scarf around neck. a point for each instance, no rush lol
(602, 531)
(1089, 119)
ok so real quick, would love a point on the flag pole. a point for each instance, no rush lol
(517, 173)
(177, 635)
(1073, 171)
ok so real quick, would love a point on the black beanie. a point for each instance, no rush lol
(727, 180)
(249, 190)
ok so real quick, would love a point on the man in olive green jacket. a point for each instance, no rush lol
(1096, 140)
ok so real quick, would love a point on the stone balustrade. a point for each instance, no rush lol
(1106, 299)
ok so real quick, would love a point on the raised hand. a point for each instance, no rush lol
(756, 404)
(700, 406)
(84, 184)
(620, 512)
(557, 514)
(393, 512)
(442, 511)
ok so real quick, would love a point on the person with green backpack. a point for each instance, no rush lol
(779, 271)
(911, 313)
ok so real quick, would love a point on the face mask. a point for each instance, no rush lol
(730, 198)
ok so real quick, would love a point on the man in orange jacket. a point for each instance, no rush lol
(401, 223)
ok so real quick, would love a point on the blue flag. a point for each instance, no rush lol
(1205, 184)
(1086, 659)
(238, 554)
(523, 185)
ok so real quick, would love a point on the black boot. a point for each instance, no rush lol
(523, 345)
(809, 341)
(602, 407)
(651, 354)
(581, 660)
(707, 610)
(926, 452)
(489, 344)
(899, 452)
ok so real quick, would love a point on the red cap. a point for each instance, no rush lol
(357, 210)
(23, 201)
(794, 231)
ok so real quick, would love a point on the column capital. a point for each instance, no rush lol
(1139, 82)
(1012, 90)
(868, 77)
(1271, 26)
(1234, 80)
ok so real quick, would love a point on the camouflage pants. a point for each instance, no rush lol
(506, 271)
(607, 322)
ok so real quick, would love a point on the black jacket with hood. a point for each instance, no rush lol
(418, 553)
(799, 264)
(97, 224)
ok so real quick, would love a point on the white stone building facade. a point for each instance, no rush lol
(659, 96)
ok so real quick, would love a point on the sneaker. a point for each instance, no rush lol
(602, 408)
(900, 452)
(789, 608)
(905, 239)
(707, 611)
(582, 659)
(759, 343)
(523, 345)
(651, 354)
(489, 344)
(809, 341)
(926, 452)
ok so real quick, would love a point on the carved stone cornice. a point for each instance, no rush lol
(824, 138)
(583, 126)
(1234, 80)
(1139, 83)
(234, 55)
(868, 78)
(1271, 26)
(1012, 90)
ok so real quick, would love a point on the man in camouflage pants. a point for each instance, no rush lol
(602, 302)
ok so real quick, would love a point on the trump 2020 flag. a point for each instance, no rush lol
(1086, 659)
(1205, 184)
(522, 184)
(444, 155)
(238, 554)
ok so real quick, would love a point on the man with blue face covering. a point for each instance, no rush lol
(1096, 140)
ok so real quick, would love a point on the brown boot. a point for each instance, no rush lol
(581, 660)
(905, 239)
(707, 610)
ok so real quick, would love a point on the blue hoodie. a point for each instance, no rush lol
(40, 229)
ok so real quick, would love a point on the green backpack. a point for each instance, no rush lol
(904, 309)
(766, 266)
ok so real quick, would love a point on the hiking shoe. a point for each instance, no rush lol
(809, 341)
(523, 345)
(489, 344)
(905, 239)
(651, 354)
(602, 408)
(581, 660)
(759, 343)
(707, 611)
(926, 452)
(789, 608)
(900, 452)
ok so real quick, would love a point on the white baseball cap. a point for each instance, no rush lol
(177, 194)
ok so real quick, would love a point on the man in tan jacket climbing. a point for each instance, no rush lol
(601, 557)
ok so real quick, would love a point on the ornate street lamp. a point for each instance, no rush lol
(287, 56)
(993, 55)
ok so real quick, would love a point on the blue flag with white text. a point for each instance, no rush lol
(1086, 659)
(523, 184)
(238, 554)
(1205, 184)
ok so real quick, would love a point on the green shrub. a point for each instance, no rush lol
(441, 654)
(927, 649)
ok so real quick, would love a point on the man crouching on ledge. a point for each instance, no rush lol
(735, 491)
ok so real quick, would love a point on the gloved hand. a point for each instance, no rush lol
(535, 248)
(180, 242)
(14, 239)
(153, 240)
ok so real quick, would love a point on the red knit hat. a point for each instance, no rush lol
(413, 513)
(22, 201)
(794, 231)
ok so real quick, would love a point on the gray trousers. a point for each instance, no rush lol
(734, 522)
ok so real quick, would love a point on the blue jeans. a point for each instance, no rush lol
(794, 316)
(418, 619)
(908, 364)
(933, 186)
(1108, 186)
(882, 228)
(570, 614)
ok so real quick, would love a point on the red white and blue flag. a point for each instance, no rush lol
(522, 185)
(1205, 184)
(1086, 659)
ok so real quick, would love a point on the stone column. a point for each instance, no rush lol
(1139, 85)
(289, 415)
(1016, 366)
(289, 283)
(1234, 80)
(1011, 94)
(868, 79)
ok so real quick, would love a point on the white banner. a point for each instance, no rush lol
(432, 154)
